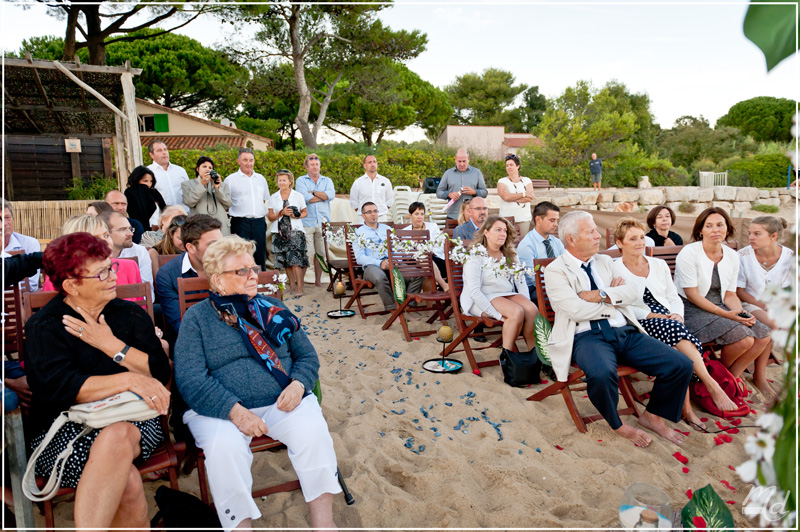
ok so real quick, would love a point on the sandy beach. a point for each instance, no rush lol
(459, 451)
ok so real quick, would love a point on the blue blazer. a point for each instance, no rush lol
(167, 294)
(465, 231)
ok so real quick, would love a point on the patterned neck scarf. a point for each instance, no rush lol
(264, 328)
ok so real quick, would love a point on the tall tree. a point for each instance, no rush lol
(583, 121)
(97, 21)
(329, 42)
(691, 139)
(483, 99)
(403, 99)
(645, 130)
(764, 118)
(177, 71)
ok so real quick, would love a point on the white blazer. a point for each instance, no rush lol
(659, 282)
(473, 291)
(564, 280)
(693, 269)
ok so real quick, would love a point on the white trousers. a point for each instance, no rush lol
(229, 459)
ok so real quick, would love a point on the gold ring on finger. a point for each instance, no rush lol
(154, 398)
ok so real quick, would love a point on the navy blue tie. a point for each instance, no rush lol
(548, 247)
(597, 325)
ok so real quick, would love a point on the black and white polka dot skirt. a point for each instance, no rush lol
(152, 438)
(667, 331)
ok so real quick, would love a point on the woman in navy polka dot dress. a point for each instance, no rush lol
(660, 309)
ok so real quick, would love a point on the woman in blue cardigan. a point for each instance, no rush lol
(245, 368)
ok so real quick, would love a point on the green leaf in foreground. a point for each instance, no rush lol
(323, 263)
(773, 29)
(707, 505)
(398, 285)
(542, 330)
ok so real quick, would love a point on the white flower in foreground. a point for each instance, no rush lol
(761, 446)
(747, 471)
(771, 422)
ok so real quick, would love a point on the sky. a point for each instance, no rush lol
(691, 58)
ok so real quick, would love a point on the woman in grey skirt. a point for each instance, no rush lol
(705, 276)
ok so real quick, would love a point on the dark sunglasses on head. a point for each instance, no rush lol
(282, 171)
(312, 158)
(511, 157)
(177, 222)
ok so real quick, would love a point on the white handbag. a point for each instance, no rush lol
(124, 406)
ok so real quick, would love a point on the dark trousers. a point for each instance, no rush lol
(381, 279)
(598, 355)
(254, 229)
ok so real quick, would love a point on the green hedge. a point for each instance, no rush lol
(759, 171)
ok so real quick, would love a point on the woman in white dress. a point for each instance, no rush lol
(286, 208)
(516, 195)
(498, 296)
(764, 263)
(418, 223)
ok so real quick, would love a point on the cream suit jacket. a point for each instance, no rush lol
(564, 279)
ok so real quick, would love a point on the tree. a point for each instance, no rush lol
(583, 121)
(403, 99)
(645, 130)
(177, 71)
(325, 44)
(88, 18)
(483, 99)
(691, 139)
(532, 110)
(764, 118)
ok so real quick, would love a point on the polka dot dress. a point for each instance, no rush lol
(667, 331)
(152, 437)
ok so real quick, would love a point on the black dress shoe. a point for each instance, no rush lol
(481, 339)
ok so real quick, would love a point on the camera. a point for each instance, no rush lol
(295, 211)
(744, 314)
(214, 175)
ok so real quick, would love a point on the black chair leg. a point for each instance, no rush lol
(348, 498)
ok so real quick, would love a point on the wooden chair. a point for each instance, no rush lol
(337, 268)
(193, 290)
(451, 223)
(668, 254)
(613, 253)
(410, 267)
(609, 237)
(167, 457)
(13, 323)
(540, 183)
(466, 325)
(360, 285)
(576, 377)
(163, 259)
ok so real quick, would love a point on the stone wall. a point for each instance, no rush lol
(736, 199)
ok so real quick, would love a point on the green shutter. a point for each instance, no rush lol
(161, 123)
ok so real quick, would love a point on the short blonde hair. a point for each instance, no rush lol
(309, 156)
(624, 225)
(287, 173)
(84, 223)
(171, 212)
(220, 251)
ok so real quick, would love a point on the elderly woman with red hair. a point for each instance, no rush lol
(83, 346)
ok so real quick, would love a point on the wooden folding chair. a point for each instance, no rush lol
(409, 268)
(576, 377)
(467, 324)
(163, 259)
(337, 268)
(13, 324)
(450, 223)
(361, 287)
(668, 254)
(193, 290)
(613, 253)
(167, 457)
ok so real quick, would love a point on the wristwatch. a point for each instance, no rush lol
(119, 357)
(603, 295)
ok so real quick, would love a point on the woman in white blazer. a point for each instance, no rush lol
(418, 223)
(659, 309)
(705, 275)
(497, 296)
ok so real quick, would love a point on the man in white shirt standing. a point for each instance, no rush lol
(124, 247)
(249, 195)
(16, 242)
(372, 187)
(168, 176)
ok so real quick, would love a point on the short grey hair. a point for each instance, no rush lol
(569, 224)
(245, 150)
(462, 150)
(221, 250)
(7, 205)
(171, 212)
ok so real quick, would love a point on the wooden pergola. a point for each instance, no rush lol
(72, 100)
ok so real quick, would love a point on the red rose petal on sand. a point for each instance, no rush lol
(689, 494)
(730, 502)
(731, 468)
(718, 440)
(703, 419)
(732, 431)
(545, 381)
(720, 425)
(749, 401)
(725, 483)
(646, 396)
(680, 458)
(726, 438)
(736, 421)
(599, 440)
(685, 469)
(684, 433)
(559, 448)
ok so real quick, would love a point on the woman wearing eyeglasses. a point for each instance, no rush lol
(245, 368)
(286, 209)
(208, 194)
(83, 346)
(516, 195)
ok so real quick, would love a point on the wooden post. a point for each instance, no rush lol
(17, 461)
(120, 158)
(107, 162)
(132, 125)
(9, 191)
(75, 159)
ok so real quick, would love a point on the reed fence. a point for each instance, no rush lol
(43, 219)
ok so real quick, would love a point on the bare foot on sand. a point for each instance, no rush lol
(721, 399)
(691, 419)
(656, 424)
(766, 390)
(637, 436)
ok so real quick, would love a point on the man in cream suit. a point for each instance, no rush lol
(595, 328)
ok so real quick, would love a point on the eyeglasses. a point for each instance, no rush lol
(245, 272)
(312, 158)
(282, 171)
(370, 212)
(128, 229)
(177, 222)
(103, 275)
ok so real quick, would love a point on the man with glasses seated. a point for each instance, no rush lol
(477, 212)
(197, 233)
(375, 261)
(124, 248)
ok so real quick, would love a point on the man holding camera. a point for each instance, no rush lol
(249, 195)
(207, 194)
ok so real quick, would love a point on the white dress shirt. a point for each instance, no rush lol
(619, 319)
(755, 279)
(378, 191)
(168, 183)
(145, 263)
(28, 244)
(249, 195)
